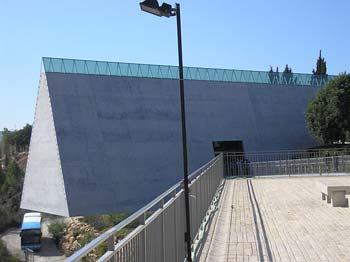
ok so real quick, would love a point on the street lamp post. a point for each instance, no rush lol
(152, 6)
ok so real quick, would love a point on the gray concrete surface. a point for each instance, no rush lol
(48, 252)
(43, 188)
(112, 144)
(282, 219)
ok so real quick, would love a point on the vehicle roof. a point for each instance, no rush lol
(31, 221)
(32, 214)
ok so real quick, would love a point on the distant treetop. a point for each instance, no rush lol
(321, 66)
(287, 70)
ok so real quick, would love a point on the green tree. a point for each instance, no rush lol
(4, 145)
(2, 177)
(273, 76)
(13, 176)
(328, 113)
(287, 75)
(321, 66)
(10, 196)
(13, 142)
(287, 70)
(22, 137)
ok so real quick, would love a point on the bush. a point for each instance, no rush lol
(86, 238)
(104, 222)
(100, 223)
(10, 197)
(12, 179)
(56, 229)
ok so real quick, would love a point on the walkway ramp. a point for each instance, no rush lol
(278, 219)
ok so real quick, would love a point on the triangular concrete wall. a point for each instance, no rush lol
(43, 188)
(108, 144)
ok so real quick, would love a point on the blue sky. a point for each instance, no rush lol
(247, 34)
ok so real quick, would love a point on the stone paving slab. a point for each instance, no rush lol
(278, 219)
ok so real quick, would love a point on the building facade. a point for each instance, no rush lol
(107, 136)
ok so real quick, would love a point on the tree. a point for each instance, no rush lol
(2, 177)
(287, 75)
(5, 143)
(287, 70)
(321, 66)
(22, 137)
(15, 141)
(319, 76)
(13, 177)
(273, 76)
(328, 113)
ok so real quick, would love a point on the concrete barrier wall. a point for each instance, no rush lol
(119, 138)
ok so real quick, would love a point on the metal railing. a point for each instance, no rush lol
(76, 66)
(28, 255)
(325, 161)
(160, 237)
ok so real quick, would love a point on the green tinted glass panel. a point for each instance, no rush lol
(71, 66)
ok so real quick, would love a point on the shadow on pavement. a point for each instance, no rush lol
(48, 248)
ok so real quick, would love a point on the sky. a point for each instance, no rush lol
(250, 34)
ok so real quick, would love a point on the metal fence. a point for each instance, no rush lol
(28, 255)
(287, 163)
(160, 237)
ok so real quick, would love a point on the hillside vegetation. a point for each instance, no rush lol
(11, 181)
(13, 156)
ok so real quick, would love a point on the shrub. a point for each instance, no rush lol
(56, 229)
(86, 238)
(10, 196)
(100, 223)
(13, 178)
(104, 222)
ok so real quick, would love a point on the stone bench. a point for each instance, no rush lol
(335, 193)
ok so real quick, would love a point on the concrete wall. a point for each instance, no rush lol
(119, 138)
(43, 188)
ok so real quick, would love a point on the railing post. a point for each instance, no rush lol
(28, 255)
(312, 162)
(280, 166)
(175, 227)
(287, 164)
(222, 156)
(319, 162)
(110, 246)
(161, 205)
(142, 221)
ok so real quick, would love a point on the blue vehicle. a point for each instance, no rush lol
(31, 232)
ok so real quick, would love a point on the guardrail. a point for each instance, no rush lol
(160, 237)
(287, 162)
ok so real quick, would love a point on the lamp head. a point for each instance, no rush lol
(152, 7)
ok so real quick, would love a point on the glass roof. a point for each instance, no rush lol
(75, 66)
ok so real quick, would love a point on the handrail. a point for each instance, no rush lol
(321, 150)
(112, 231)
(287, 162)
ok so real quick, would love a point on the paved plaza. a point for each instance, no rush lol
(278, 219)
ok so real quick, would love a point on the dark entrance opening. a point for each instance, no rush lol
(228, 147)
(235, 163)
